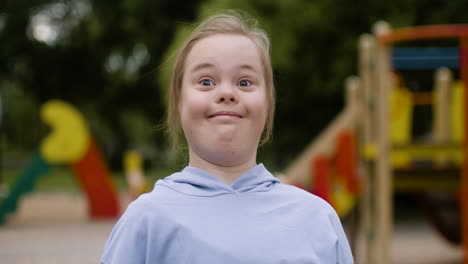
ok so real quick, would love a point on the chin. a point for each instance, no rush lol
(227, 159)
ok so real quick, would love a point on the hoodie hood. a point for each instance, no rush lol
(197, 182)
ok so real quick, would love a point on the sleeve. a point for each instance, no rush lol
(128, 240)
(343, 251)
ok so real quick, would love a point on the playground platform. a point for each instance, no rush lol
(54, 228)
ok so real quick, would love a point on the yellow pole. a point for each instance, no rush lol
(133, 164)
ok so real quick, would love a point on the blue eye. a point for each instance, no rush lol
(206, 82)
(245, 83)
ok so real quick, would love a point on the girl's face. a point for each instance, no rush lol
(223, 105)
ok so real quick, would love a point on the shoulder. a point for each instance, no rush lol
(151, 205)
(322, 214)
(294, 193)
(138, 216)
(134, 231)
(143, 213)
(308, 204)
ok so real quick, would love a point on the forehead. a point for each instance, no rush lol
(224, 51)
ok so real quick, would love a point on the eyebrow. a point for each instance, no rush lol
(202, 66)
(248, 67)
(208, 65)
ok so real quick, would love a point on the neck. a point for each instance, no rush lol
(227, 174)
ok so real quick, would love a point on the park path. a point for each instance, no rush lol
(54, 228)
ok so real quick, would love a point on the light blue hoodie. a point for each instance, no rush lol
(193, 217)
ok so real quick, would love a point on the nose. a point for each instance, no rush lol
(227, 95)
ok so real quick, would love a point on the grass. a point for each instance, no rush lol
(62, 179)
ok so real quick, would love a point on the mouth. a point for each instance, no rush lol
(226, 114)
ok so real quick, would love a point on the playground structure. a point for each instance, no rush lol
(379, 112)
(444, 156)
(70, 142)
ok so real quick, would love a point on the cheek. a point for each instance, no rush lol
(191, 108)
(260, 109)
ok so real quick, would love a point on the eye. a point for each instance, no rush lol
(207, 82)
(244, 83)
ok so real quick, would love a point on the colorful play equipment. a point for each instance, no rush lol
(368, 151)
(70, 143)
(25, 183)
(435, 166)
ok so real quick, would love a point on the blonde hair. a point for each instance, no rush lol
(228, 22)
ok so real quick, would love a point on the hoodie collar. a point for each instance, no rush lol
(197, 182)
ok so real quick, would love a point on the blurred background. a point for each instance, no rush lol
(110, 59)
(105, 57)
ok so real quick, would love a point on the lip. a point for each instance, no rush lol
(225, 114)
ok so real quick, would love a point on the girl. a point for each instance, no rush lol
(223, 207)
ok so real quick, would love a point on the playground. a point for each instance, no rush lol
(360, 161)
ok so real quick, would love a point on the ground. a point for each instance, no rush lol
(54, 228)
